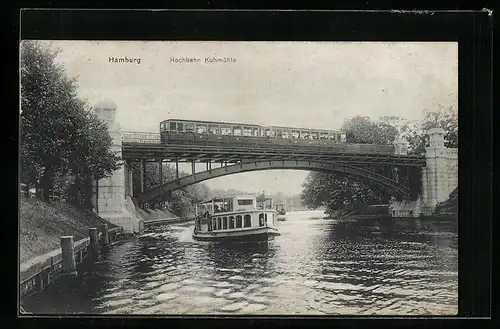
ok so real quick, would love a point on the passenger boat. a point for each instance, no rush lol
(280, 208)
(238, 218)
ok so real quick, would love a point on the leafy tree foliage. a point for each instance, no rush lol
(63, 145)
(416, 133)
(180, 202)
(335, 192)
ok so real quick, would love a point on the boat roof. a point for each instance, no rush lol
(221, 199)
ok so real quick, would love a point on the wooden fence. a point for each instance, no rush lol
(39, 272)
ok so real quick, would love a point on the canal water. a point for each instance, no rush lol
(315, 267)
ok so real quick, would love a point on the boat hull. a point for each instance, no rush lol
(257, 234)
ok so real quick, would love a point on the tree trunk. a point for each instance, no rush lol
(46, 183)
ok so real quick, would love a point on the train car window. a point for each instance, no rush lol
(323, 135)
(278, 133)
(224, 224)
(304, 134)
(315, 135)
(247, 131)
(201, 129)
(225, 130)
(189, 127)
(256, 132)
(286, 134)
(332, 136)
(231, 221)
(173, 126)
(213, 130)
(238, 221)
(295, 134)
(180, 126)
(267, 133)
(237, 130)
(219, 223)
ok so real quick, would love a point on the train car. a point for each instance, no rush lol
(240, 134)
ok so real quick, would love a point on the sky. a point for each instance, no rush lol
(302, 84)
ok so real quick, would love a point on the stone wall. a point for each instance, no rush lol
(109, 193)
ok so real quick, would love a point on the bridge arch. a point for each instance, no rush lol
(358, 173)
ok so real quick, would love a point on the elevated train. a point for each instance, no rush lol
(181, 132)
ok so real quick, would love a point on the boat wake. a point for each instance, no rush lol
(186, 234)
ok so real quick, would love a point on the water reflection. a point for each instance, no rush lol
(315, 266)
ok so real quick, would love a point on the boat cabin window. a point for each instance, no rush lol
(237, 130)
(286, 134)
(238, 221)
(268, 133)
(278, 133)
(315, 135)
(332, 136)
(224, 224)
(304, 134)
(231, 221)
(173, 126)
(245, 202)
(323, 136)
(295, 134)
(248, 220)
(256, 132)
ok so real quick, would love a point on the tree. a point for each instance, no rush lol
(63, 143)
(89, 148)
(337, 192)
(181, 201)
(46, 92)
(417, 133)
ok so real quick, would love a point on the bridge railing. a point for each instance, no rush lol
(140, 137)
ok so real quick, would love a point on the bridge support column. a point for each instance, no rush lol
(406, 207)
(143, 176)
(127, 172)
(109, 197)
(440, 176)
(160, 168)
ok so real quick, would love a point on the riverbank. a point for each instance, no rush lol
(42, 224)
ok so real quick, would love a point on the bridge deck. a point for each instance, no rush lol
(170, 152)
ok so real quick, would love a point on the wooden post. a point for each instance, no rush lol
(105, 234)
(94, 243)
(68, 255)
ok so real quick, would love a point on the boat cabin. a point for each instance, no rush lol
(234, 213)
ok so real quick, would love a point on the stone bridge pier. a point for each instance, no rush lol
(439, 177)
(110, 199)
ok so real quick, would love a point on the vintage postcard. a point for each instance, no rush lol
(239, 178)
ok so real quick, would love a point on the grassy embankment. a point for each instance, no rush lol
(42, 224)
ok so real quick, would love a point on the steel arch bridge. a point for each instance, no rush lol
(391, 186)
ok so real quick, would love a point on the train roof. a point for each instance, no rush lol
(248, 125)
(214, 122)
(302, 129)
